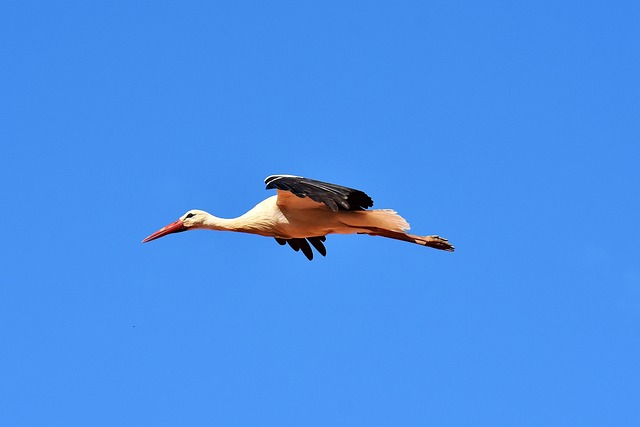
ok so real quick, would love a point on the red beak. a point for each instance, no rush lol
(174, 227)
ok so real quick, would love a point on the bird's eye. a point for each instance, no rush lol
(189, 215)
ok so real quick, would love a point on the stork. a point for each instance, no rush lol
(303, 212)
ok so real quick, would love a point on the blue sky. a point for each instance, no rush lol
(509, 128)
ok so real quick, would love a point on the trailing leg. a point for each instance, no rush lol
(435, 242)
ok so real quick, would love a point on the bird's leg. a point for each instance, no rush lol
(435, 242)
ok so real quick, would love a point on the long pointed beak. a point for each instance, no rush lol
(174, 227)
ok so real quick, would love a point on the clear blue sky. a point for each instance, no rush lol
(511, 128)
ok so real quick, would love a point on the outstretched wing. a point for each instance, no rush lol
(335, 197)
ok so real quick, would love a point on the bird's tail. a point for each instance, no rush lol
(379, 218)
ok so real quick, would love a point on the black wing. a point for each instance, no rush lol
(303, 244)
(336, 197)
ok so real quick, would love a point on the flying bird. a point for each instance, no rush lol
(303, 212)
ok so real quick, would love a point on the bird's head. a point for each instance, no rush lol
(190, 220)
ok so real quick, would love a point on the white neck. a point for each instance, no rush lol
(259, 220)
(224, 224)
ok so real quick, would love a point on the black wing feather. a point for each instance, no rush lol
(295, 244)
(317, 243)
(336, 197)
(303, 244)
(306, 249)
